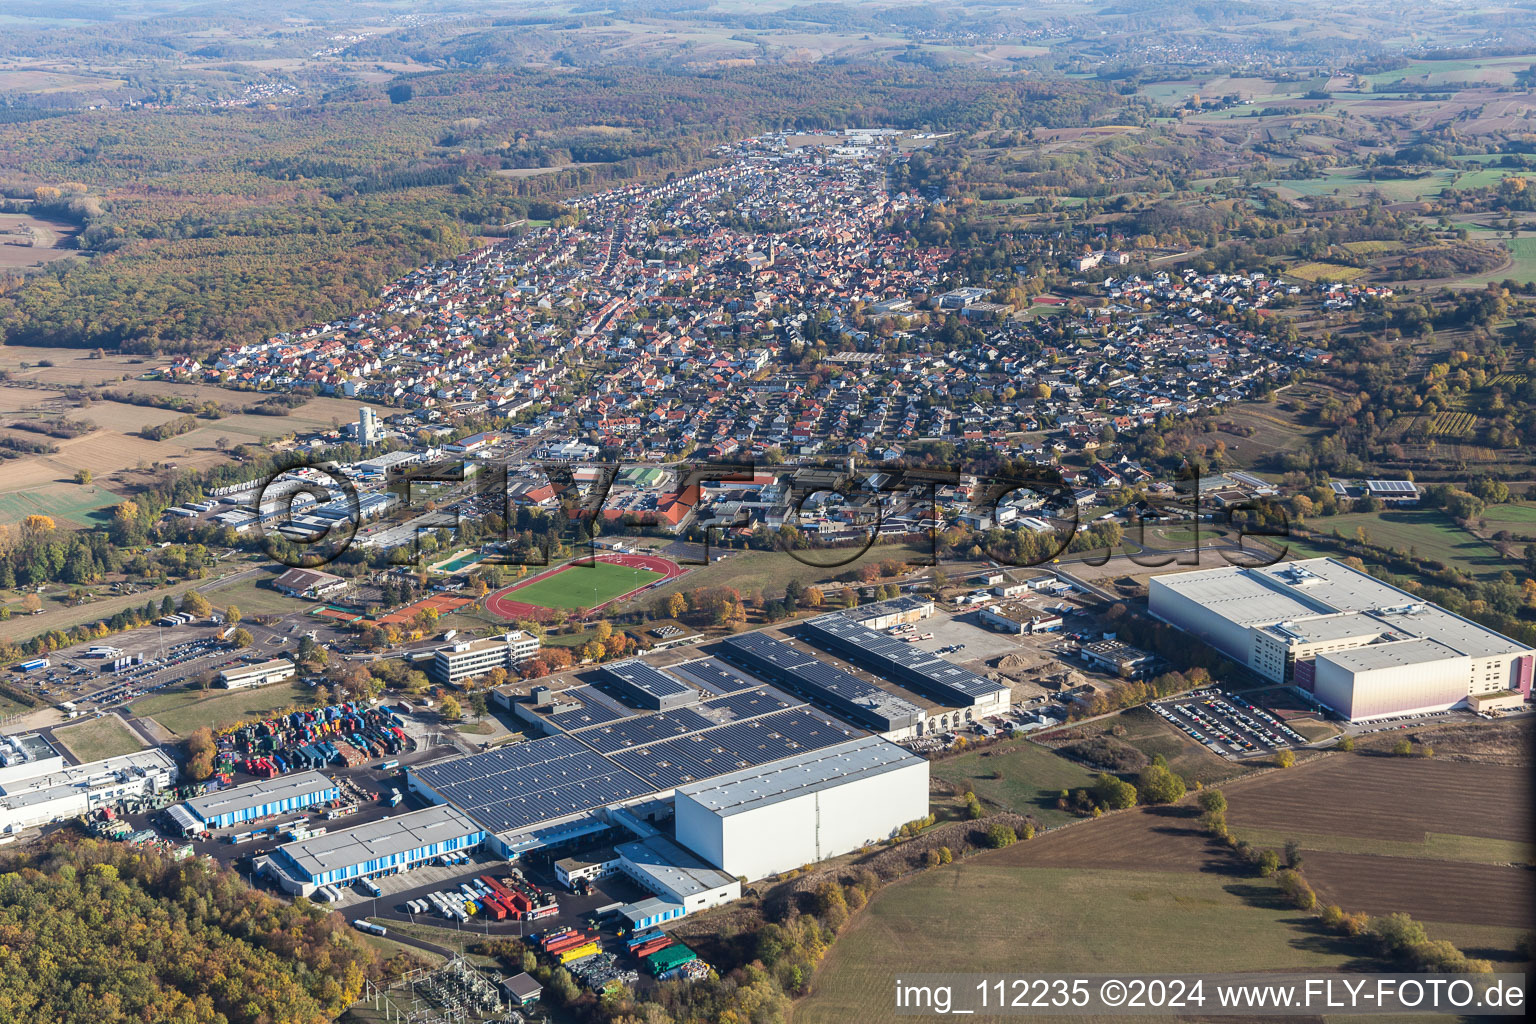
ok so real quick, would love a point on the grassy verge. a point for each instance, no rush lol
(1436, 846)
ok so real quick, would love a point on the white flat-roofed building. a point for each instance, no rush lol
(477, 657)
(26, 757)
(676, 876)
(78, 789)
(225, 807)
(1361, 646)
(259, 674)
(765, 820)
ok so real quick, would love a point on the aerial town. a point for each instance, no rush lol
(548, 513)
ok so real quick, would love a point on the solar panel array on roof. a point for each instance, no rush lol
(749, 703)
(647, 687)
(813, 678)
(732, 747)
(513, 786)
(905, 663)
(716, 676)
(1391, 487)
(645, 729)
(591, 709)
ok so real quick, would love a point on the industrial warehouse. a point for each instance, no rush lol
(688, 777)
(43, 789)
(1360, 646)
(225, 807)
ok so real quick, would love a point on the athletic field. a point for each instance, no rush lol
(587, 585)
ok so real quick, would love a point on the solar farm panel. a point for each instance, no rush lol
(818, 681)
(729, 748)
(525, 783)
(750, 703)
(592, 710)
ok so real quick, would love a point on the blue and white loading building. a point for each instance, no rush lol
(225, 808)
(378, 848)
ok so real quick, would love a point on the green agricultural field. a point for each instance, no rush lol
(184, 710)
(771, 571)
(1032, 778)
(1348, 185)
(984, 915)
(584, 586)
(57, 615)
(253, 596)
(107, 736)
(1429, 533)
(1487, 177)
(1325, 272)
(1436, 846)
(1374, 247)
(69, 504)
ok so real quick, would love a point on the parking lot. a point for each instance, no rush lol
(1228, 724)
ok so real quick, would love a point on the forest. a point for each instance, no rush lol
(101, 933)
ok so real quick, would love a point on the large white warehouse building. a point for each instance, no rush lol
(1363, 647)
(774, 817)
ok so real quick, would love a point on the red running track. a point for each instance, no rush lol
(503, 606)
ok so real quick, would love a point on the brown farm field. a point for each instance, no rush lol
(116, 449)
(28, 241)
(1470, 821)
(1391, 798)
(1147, 890)
(71, 365)
(1430, 890)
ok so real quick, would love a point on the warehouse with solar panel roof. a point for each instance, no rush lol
(696, 770)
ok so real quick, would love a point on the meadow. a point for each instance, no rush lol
(1016, 775)
(107, 736)
(1428, 533)
(188, 708)
(1138, 891)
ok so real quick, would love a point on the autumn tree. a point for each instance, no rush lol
(201, 751)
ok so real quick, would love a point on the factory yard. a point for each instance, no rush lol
(107, 736)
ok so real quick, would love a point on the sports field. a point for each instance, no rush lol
(587, 584)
